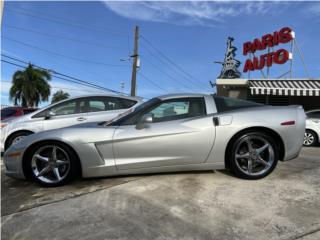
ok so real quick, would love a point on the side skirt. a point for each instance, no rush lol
(163, 169)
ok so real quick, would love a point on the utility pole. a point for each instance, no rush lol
(135, 66)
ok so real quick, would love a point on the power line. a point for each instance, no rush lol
(178, 73)
(52, 71)
(150, 81)
(64, 56)
(191, 78)
(75, 80)
(64, 88)
(69, 22)
(62, 37)
(168, 75)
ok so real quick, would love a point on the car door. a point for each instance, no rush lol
(65, 114)
(105, 108)
(314, 121)
(181, 134)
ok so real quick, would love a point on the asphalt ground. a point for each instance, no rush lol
(188, 205)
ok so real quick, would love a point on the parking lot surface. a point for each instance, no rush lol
(189, 205)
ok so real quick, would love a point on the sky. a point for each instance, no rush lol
(178, 44)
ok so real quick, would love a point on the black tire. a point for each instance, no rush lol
(14, 136)
(272, 152)
(73, 165)
(310, 138)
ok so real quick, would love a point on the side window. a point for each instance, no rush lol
(314, 114)
(98, 104)
(126, 103)
(64, 108)
(226, 104)
(108, 103)
(178, 109)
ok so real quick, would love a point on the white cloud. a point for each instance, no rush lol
(189, 13)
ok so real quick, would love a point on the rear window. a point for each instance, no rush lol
(224, 104)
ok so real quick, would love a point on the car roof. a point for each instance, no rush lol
(105, 95)
(19, 107)
(182, 95)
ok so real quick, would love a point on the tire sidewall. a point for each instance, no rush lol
(232, 160)
(74, 168)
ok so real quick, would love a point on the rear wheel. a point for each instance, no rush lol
(253, 155)
(52, 164)
(310, 138)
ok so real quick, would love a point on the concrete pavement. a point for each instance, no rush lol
(192, 205)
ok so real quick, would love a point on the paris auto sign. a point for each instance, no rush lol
(280, 56)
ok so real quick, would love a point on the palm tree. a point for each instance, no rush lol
(30, 87)
(59, 96)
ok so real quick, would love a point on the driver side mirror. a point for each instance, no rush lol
(48, 115)
(144, 121)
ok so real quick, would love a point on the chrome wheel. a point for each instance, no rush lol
(50, 164)
(254, 155)
(308, 139)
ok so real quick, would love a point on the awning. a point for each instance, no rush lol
(285, 87)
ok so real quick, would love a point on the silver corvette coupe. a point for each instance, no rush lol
(168, 133)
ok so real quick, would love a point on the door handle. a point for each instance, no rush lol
(80, 119)
(215, 121)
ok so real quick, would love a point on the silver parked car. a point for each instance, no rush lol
(168, 133)
(69, 112)
(312, 134)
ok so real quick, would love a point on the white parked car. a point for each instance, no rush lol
(93, 108)
(312, 134)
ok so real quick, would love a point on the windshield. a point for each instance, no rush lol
(131, 113)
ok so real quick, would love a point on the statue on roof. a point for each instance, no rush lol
(230, 64)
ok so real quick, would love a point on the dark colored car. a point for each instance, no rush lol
(10, 112)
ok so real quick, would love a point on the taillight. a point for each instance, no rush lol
(287, 123)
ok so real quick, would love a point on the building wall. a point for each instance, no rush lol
(240, 89)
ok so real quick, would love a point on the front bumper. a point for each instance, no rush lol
(13, 164)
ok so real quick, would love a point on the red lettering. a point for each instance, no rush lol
(258, 65)
(267, 41)
(248, 66)
(285, 35)
(256, 45)
(270, 59)
(281, 56)
(275, 38)
(246, 48)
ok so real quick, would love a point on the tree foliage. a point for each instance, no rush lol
(59, 96)
(30, 87)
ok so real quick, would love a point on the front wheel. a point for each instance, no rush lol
(52, 164)
(253, 155)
